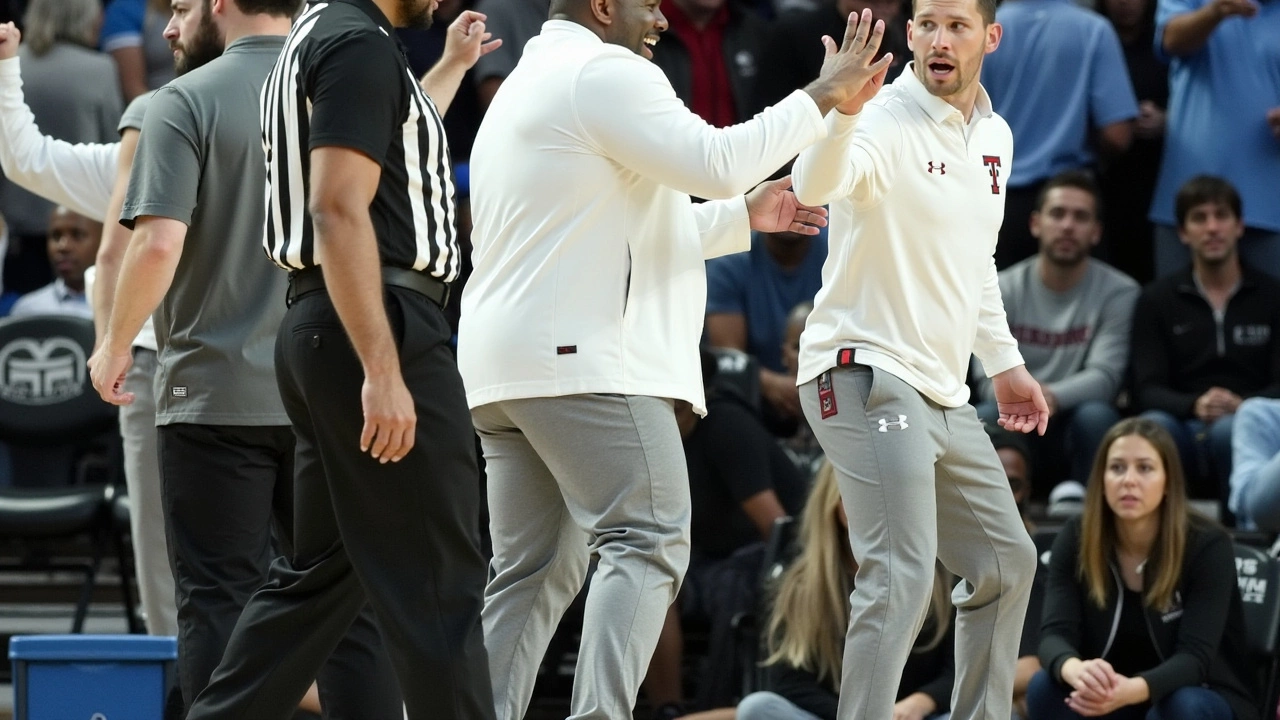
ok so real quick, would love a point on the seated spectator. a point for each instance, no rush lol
(1142, 616)
(711, 54)
(1223, 117)
(803, 447)
(73, 245)
(749, 296)
(740, 482)
(1206, 337)
(1060, 80)
(1071, 315)
(805, 633)
(133, 34)
(792, 53)
(515, 22)
(1255, 465)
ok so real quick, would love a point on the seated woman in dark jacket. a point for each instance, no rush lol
(806, 629)
(1142, 616)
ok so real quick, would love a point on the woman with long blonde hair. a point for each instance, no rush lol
(1142, 616)
(806, 628)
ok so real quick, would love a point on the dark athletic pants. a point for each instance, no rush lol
(225, 489)
(401, 536)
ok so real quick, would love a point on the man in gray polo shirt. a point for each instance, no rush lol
(195, 202)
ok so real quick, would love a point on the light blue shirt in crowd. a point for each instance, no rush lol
(753, 285)
(1255, 440)
(1059, 71)
(53, 299)
(1218, 102)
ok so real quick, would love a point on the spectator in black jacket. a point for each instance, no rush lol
(711, 54)
(806, 630)
(1206, 338)
(1142, 611)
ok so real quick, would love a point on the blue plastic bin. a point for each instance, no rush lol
(90, 677)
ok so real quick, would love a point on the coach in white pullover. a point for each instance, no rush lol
(581, 321)
(916, 182)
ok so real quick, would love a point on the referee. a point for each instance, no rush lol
(195, 203)
(360, 210)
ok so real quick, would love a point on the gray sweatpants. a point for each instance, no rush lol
(921, 481)
(146, 515)
(567, 477)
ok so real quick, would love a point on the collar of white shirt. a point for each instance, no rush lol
(936, 107)
(569, 26)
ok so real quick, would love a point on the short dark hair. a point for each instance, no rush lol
(274, 8)
(986, 8)
(1077, 179)
(1203, 189)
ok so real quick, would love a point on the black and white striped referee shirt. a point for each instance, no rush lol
(343, 81)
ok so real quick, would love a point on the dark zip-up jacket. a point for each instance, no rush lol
(1179, 349)
(743, 37)
(1201, 640)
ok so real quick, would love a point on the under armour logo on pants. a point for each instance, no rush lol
(899, 424)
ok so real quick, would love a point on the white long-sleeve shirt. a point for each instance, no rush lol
(78, 176)
(917, 198)
(588, 252)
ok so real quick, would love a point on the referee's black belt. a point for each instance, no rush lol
(309, 280)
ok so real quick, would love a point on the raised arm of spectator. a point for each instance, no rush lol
(1184, 26)
(1107, 357)
(1150, 363)
(78, 176)
(466, 41)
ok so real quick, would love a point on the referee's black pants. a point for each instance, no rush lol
(228, 503)
(402, 536)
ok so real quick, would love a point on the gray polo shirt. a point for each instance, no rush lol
(200, 161)
(134, 113)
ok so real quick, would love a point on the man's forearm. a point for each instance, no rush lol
(353, 275)
(441, 83)
(115, 240)
(144, 278)
(1187, 33)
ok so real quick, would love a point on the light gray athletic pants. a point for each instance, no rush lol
(567, 477)
(921, 481)
(142, 478)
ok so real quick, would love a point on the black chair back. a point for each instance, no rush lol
(46, 397)
(1258, 576)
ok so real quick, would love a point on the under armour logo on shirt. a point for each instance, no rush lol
(940, 167)
(899, 424)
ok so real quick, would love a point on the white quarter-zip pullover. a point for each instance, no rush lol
(588, 251)
(917, 198)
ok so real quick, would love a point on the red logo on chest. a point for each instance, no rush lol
(993, 166)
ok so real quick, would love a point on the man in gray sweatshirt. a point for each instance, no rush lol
(1070, 314)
